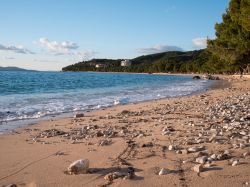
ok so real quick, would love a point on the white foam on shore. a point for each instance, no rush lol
(34, 106)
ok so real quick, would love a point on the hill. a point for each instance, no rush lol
(173, 61)
(12, 68)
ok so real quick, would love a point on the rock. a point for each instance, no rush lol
(210, 77)
(201, 153)
(235, 163)
(105, 142)
(242, 146)
(223, 156)
(207, 165)
(195, 149)
(213, 156)
(79, 115)
(246, 154)
(111, 176)
(201, 160)
(178, 152)
(198, 168)
(149, 144)
(171, 147)
(79, 167)
(131, 173)
(164, 171)
(184, 151)
(196, 77)
(212, 138)
(99, 134)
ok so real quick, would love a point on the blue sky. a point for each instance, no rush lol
(50, 34)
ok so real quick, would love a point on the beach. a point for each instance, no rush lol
(209, 130)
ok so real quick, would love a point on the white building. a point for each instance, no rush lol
(126, 63)
(99, 65)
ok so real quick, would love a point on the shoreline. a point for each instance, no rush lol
(147, 136)
(21, 124)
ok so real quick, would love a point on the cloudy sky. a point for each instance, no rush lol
(50, 34)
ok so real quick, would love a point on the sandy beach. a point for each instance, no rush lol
(129, 145)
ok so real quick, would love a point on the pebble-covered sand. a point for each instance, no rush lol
(199, 140)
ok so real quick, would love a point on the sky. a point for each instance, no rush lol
(51, 34)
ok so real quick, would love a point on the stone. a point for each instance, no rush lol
(130, 173)
(79, 115)
(212, 138)
(198, 168)
(171, 147)
(201, 160)
(235, 163)
(105, 142)
(213, 156)
(246, 154)
(111, 176)
(164, 171)
(195, 149)
(79, 167)
(178, 152)
(242, 146)
(184, 151)
(99, 134)
(196, 77)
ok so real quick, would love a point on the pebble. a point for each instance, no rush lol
(184, 151)
(171, 147)
(235, 163)
(246, 154)
(195, 149)
(198, 168)
(201, 160)
(79, 166)
(164, 171)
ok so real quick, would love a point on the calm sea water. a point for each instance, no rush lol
(33, 95)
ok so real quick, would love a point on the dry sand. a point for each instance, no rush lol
(135, 138)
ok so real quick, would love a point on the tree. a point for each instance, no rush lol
(232, 42)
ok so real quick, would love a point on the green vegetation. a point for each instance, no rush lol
(232, 43)
(229, 52)
(199, 61)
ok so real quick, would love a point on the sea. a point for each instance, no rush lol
(28, 96)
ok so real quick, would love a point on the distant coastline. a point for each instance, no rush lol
(12, 68)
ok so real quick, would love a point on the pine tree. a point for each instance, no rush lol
(232, 42)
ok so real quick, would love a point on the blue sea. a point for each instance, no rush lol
(29, 95)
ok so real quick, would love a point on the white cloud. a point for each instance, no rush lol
(16, 49)
(58, 47)
(199, 43)
(158, 49)
(66, 48)
(86, 55)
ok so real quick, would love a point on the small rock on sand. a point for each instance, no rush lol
(235, 163)
(163, 171)
(79, 167)
(201, 160)
(198, 168)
